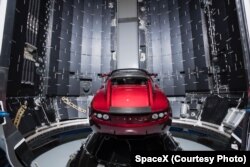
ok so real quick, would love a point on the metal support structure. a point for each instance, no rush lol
(48, 49)
(214, 52)
(211, 32)
(243, 7)
(206, 48)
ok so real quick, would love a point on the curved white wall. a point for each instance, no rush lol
(247, 9)
(3, 5)
(127, 34)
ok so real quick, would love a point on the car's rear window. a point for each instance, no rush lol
(129, 81)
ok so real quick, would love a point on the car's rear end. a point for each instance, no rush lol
(134, 106)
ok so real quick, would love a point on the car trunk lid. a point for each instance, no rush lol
(130, 96)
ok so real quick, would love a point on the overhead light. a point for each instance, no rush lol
(111, 5)
(143, 9)
(100, 165)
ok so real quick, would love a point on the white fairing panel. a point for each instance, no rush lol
(3, 5)
(247, 12)
(127, 35)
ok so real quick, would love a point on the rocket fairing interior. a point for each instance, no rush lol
(56, 54)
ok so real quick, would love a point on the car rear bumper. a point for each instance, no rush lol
(115, 129)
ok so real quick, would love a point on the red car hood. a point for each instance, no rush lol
(129, 96)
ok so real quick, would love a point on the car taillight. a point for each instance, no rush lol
(99, 116)
(102, 116)
(105, 116)
(155, 116)
(159, 115)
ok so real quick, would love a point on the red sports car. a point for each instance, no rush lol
(129, 103)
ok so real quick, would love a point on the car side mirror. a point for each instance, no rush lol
(102, 75)
(153, 75)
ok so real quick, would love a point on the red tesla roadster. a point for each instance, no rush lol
(129, 103)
